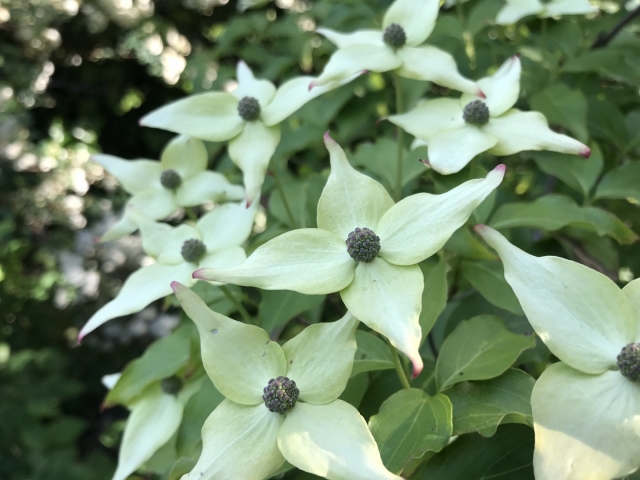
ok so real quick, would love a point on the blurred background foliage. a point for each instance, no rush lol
(75, 77)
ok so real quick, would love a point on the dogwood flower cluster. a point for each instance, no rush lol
(586, 408)
(456, 130)
(514, 10)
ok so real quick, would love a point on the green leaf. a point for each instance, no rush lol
(552, 212)
(482, 14)
(409, 423)
(301, 198)
(162, 359)
(380, 158)
(372, 354)
(565, 107)
(607, 123)
(621, 183)
(181, 466)
(508, 455)
(577, 172)
(468, 246)
(355, 390)
(608, 62)
(434, 294)
(482, 406)
(478, 349)
(280, 306)
(488, 279)
(196, 411)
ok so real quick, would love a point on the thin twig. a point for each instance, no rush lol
(604, 38)
(402, 375)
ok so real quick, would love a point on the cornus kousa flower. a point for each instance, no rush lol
(213, 242)
(406, 25)
(157, 407)
(456, 130)
(248, 117)
(514, 10)
(366, 248)
(159, 189)
(586, 408)
(281, 402)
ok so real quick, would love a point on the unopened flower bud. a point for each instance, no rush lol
(363, 245)
(193, 250)
(394, 36)
(629, 362)
(170, 179)
(280, 395)
(476, 113)
(249, 109)
(171, 385)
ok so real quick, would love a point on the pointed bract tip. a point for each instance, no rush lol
(198, 274)
(481, 94)
(175, 286)
(241, 62)
(81, 337)
(517, 56)
(248, 203)
(416, 370)
(363, 72)
(311, 85)
(425, 161)
(500, 168)
(585, 152)
(328, 140)
(480, 229)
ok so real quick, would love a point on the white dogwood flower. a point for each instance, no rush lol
(248, 117)
(456, 130)
(514, 10)
(406, 25)
(281, 401)
(586, 408)
(213, 242)
(366, 247)
(159, 189)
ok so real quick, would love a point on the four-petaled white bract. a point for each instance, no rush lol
(453, 143)
(214, 116)
(514, 10)
(222, 231)
(366, 50)
(243, 439)
(386, 293)
(586, 413)
(187, 157)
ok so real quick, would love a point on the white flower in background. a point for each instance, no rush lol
(213, 242)
(586, 408)
(159, 189)
(365, 247)
(281, 401)
(155, 388)
(514, 10)
(248, 117)
(456, 130)
(406, 25)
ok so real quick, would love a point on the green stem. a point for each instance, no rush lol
(191, 214)
(243, 311)
(399, 109)
(402, 375)
(285, 202)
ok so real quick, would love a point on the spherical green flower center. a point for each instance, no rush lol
(629, 362)
(170, 179)
(193, 250)
(476, 113)
(394, 36)
(280, 395)
(171, 385)
(249, 109)
(363, 245)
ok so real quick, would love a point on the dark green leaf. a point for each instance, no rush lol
(466, 245)
(478, 349)
(553, 212)
(409, 423)
(434, 295)
(508, 455)
(565, 107)
(355, 389)
(372, 354)
(280, 306)
(621, 183)
(482, 406)
(488, 279)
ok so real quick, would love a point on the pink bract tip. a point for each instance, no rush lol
(500, 168)
(479, 228)
(248, 203)
(311, 86)
(175, 286)
(481, 94)
(363, 72)
(197, 274)
(517, 55)
(416, 371)
(585, 152)
(81, 337)
(425, 161)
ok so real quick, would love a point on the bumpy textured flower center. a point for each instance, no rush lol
(249, 109)
(171, 385)
(363, 245)
(280, 395)
(394, 36)
(476, 113)
(193, 250)
(629, 362)
(170, 179)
